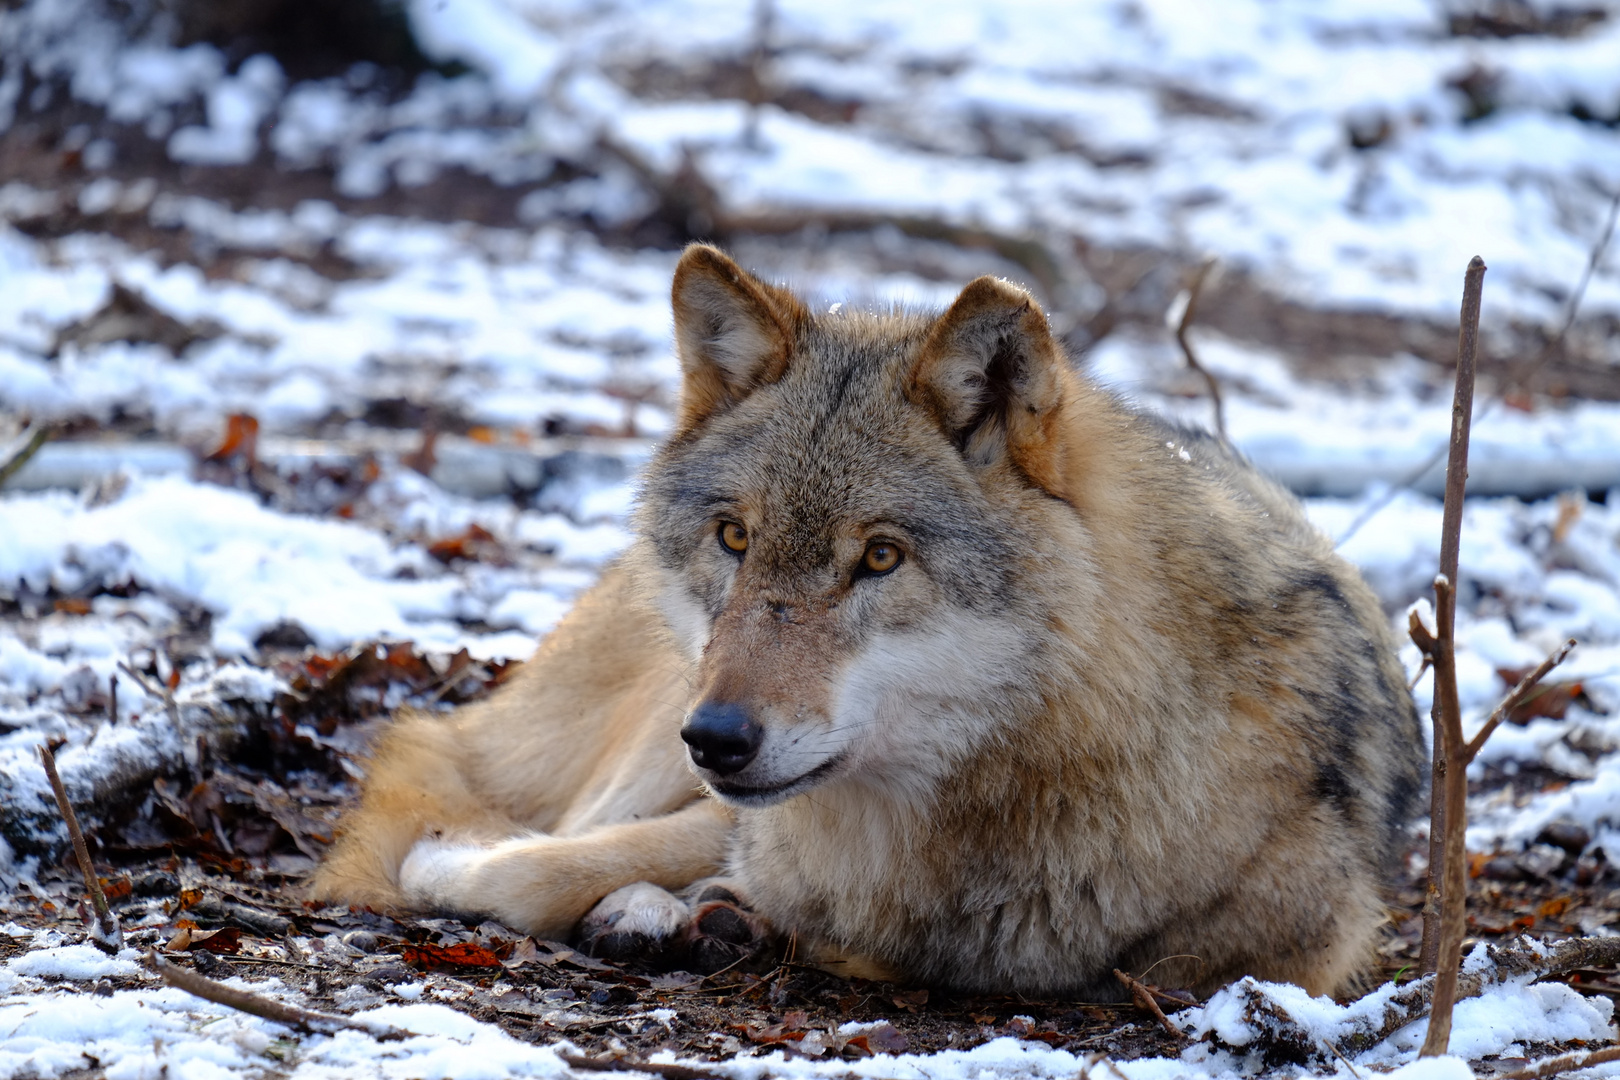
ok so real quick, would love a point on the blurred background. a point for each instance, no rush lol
(333, 332)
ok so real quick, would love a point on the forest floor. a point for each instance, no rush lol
(325, 445)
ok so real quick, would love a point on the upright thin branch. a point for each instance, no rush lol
(1188, 313)
(106, 935)
(1449, 801)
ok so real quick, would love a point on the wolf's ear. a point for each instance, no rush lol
(992, 376)
(734, 332)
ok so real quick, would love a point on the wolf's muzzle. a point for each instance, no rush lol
(721, 738)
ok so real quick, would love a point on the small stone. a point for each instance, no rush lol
(1502, 868)
(157, 883)
(393, 973)
(1543, 860)
(1565, 834)
(364, 940)
(613, 995)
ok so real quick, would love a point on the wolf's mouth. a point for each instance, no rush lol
(748, 795)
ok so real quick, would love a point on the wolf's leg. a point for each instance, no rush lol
(544, 884)
(585, 735)
(416, 782)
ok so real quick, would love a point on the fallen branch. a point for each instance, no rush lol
(12, 465)
(1567, 1063)
(1283, 1038)
(1144, 998)
(305, 1020)
(105, 934)
(1188, 313)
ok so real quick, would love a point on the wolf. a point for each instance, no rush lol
(940, 658)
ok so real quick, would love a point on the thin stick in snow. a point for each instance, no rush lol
(305, 1020)
(1449, 806)
(106, 934)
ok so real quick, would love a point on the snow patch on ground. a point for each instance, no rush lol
(143, 1032)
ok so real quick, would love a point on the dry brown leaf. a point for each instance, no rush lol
(427, 957)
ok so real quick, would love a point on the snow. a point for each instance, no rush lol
(143, 1031)
(76, 962)
(1512, 1013)
(1155, 123)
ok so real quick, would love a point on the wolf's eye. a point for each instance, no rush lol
(733, 537)
(881, 557)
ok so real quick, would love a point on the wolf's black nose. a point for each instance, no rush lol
(721, 738)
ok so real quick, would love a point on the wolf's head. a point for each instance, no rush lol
(851, 527)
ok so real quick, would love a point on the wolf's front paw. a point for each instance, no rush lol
(723, 931)
(438, 873)
(637, 921)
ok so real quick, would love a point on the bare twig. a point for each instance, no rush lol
(1515, 698)
(1421, 671)
(190, 751)
(1188, 313)
(1522, 378)
(1567, 1063)
(306, 1020)
(12, 465)
(1571, 309)
(759, 58)
(106, 934)
(1451, 764)
(1341, 1057)
(157, 690)
(1144, 998)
